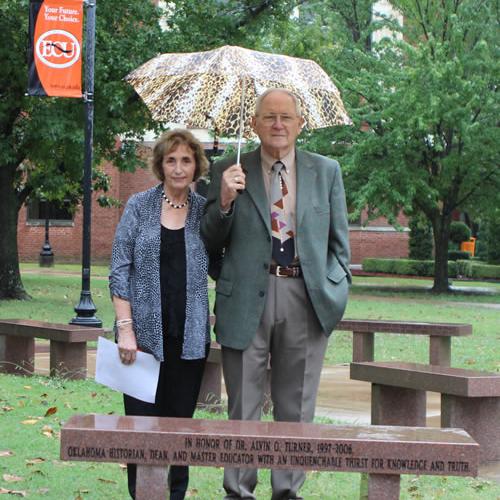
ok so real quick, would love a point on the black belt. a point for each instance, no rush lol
(285, 271)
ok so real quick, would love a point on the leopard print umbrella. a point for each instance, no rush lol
(204, 89)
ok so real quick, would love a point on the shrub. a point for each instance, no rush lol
(378, 265)
(464, 268)
(458, 254)
(488, 242)
(485, 271)
(452, 269)
(405, 266)
(459, 231)
(493, 241)
(481, 248)
(420, 241)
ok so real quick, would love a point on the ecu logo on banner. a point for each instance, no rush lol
(55, 52)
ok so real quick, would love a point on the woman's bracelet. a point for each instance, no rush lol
(123, 322)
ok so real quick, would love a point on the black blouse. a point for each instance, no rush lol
(173, 281)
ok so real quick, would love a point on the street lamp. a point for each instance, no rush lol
(85, 309)
(46, 258)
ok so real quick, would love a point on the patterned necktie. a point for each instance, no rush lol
(282, 232)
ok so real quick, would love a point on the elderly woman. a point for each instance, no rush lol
(158, 284)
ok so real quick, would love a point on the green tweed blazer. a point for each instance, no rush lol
(322, 244)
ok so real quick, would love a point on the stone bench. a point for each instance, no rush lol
(363, 348)
(469, 399)
(363, 345)
(68, 347)
(211, 383)
(154, 443)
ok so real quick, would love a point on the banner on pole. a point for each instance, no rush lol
(55, 51)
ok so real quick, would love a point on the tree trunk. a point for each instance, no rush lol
(441, 227)
(11, 286)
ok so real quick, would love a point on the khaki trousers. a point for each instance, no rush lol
(289, 334)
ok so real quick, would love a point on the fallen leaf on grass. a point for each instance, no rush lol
(7, 408)
(63, 463)
(51, 411)
(479, 484)
(10, 478)
(27, 387)
(470, 361)
(34, 461)
(19, 493)
(192, 492)
(38, 471)
(6, 453)
(110, 481)
(93, 394)
(48, 431)
(30, 421)
(44, 395)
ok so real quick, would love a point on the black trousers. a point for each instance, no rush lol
(178, 388)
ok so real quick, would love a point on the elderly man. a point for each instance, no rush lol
(281, 219)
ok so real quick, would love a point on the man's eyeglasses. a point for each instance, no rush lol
(271, 119)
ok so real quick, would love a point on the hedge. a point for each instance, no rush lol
(405, 266)
(488, 271)
(471, 269)
(460, 268)
(458, 254)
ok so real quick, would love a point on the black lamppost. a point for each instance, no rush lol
(46, 258)
(85, 309)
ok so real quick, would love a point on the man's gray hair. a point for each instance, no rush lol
(261, 97)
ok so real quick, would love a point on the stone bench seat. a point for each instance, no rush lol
(211, 383)
(469, 399)
(439, 334)
(363, 344)
(68, 346)
(154, 443)
(363, 348)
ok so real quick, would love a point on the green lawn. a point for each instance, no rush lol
(33, 409)
(29, 445)
(57, 290)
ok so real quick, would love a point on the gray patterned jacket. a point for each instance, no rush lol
(135, 273)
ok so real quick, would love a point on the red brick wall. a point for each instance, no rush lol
(373, 243)
(66, 240)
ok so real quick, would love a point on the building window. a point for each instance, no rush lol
(58, 213)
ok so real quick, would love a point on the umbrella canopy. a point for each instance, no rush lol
(210, 89)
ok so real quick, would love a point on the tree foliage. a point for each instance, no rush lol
(420, 239)
(196, 26)
(41, 139)
(425, 109)
(459, 232)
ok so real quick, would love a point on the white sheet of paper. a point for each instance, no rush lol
(138, 380)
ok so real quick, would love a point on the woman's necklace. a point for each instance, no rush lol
(174, 205)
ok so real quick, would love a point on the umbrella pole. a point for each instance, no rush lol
(243, 90)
